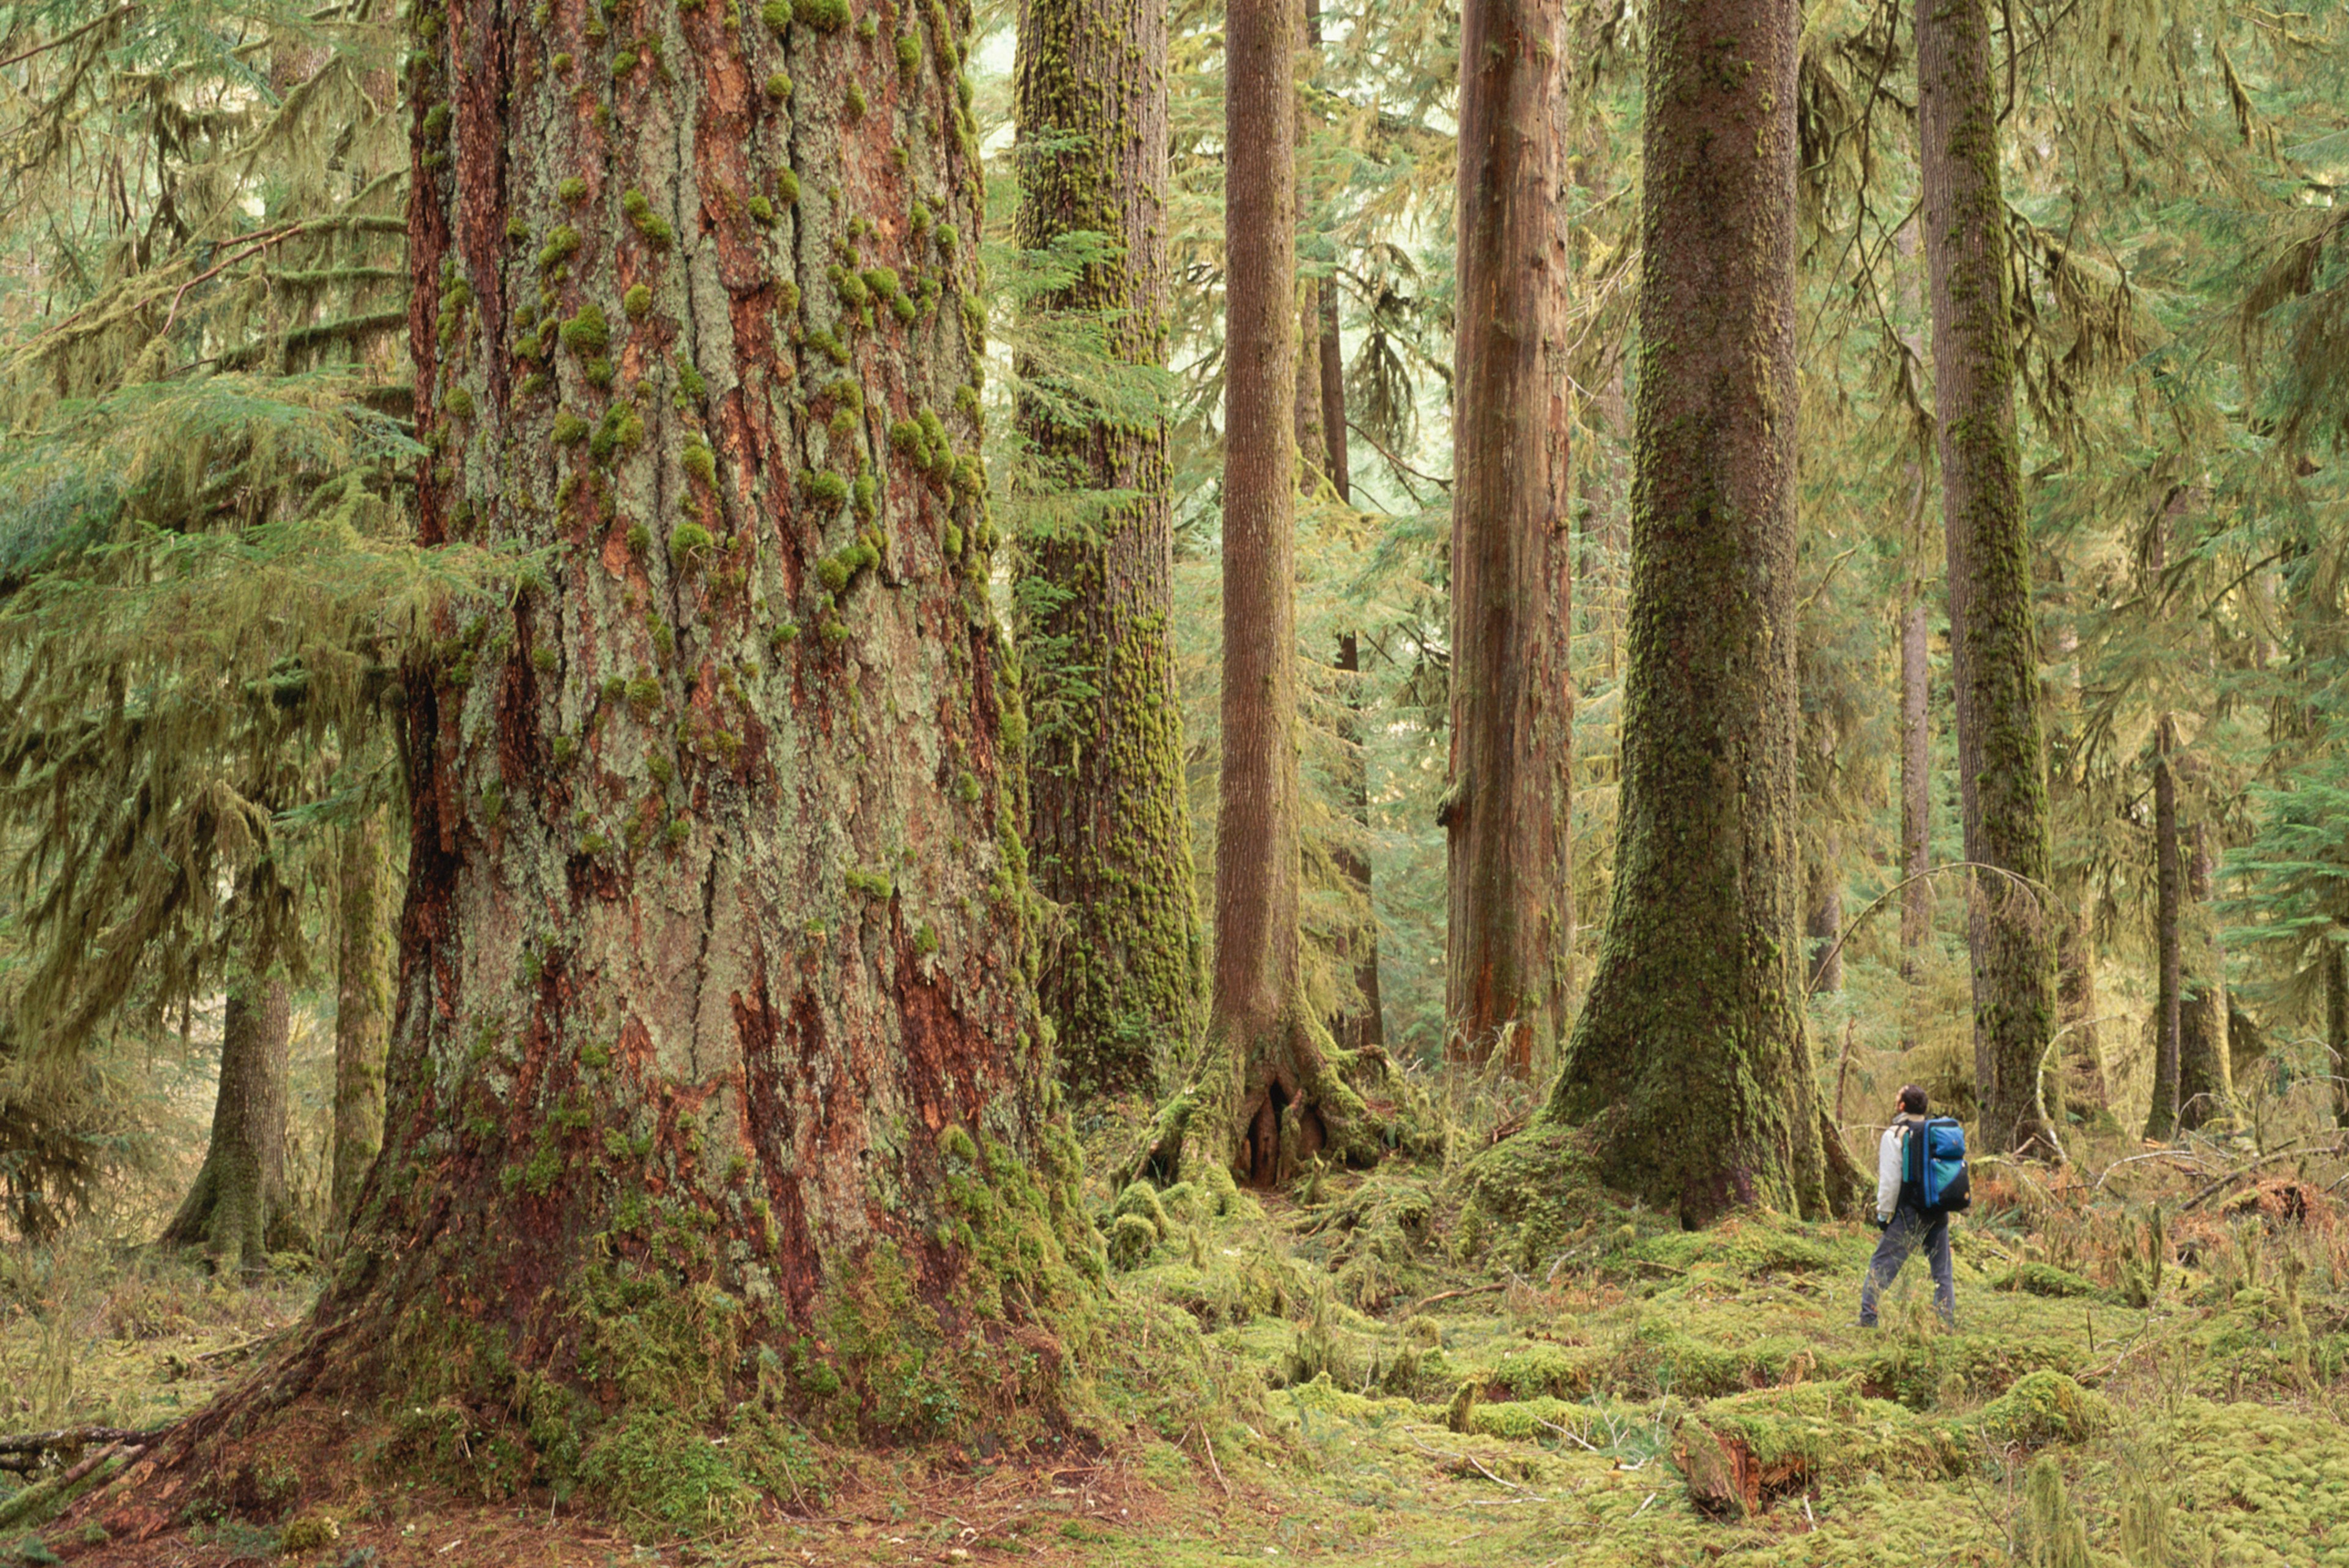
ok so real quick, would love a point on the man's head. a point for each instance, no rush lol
(1912, 1100)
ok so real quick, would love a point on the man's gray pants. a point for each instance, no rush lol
(1908, 1226)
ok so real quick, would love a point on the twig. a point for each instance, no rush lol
(2037, 890)
(1208, 1448)
(63, 40)
(1563, 1432)
(1455, 1295)
(1480, 1469)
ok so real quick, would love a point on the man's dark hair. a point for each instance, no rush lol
(1912, 1099)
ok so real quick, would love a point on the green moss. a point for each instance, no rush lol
(688, 541)
(2046, 1407)
(562, 244)
(825, 488)
(699, 461)
(761, 211)
(637, 302)
(587, 333)
(779, 87)
(787, 187)
(909, 53)
(823, 15)
(657, 231)
(570, 430)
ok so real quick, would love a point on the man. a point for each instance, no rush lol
(1902, 1215)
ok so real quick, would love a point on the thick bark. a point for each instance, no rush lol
(2206, 1082)
(1506, 804)
(1108, 818)
(1690, 1053)
(363, 966)
(237, 1207)
(2161, 1117)
(2002, 762)
(716, 1085)
(1281, 1100)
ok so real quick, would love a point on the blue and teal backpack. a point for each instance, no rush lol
(1935, 1161)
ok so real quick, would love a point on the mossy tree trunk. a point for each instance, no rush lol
(1108, 818)
(2333, 958)
(2206, 1082)
(2002, 762)
(2161, 1117)
(1277, 1092)
(1689, 1058)
(237, 1206)
(716, 1083)
(1508, 926)
(363, 969)
(1916, 672)
(1823, 913)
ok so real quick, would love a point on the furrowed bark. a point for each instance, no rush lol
(1277, 1095)
(364, 959)
(1688, 1060)
(1108, 819)
(2002, 760)
(1508, 934)
(237, 1204)
(717, 1094)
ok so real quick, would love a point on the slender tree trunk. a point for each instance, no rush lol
(2335, 960)
(2206, 1082)
(1506, 808)
(1690, 1053)
(1108, 819)
(2075, 994)
(1916, 676)
(1284, 1102)
(1364, 1028)
(239, 1197)
(1823, 918)
(718, 1096)
(2001, 754)
(2161, 1118)
(363, 967)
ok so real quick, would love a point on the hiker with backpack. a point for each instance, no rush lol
(1921, 1181)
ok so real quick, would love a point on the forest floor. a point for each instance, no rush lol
(1370, 1371)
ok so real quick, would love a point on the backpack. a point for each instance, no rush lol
(1934, 1165)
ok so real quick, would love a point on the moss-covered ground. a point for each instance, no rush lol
(1411, 1366)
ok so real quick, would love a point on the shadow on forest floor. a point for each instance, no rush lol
(1396, 1377)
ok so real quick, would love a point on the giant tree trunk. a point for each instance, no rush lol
(2001, 762)
(1109, 818)
(237, 1206)
(716, 1087)
(363, 965)
(2206, 1081)
(1506, 806)
(1690, 1055)
(2161, 1117)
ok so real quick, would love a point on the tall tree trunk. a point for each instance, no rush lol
(2335, 961)
(1690, 1052)
(1916, 676)
(237, 1205)
(2161, 1117)
(1505, 806)
(2206, 1081)
(1823, 916)
(2002, 762)
(716, 1085)
(1108, 818)
(363, 965)
(1283, 1101)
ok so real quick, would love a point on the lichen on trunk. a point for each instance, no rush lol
(1689, 1068)
(1109, 818)
(717, 1096)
